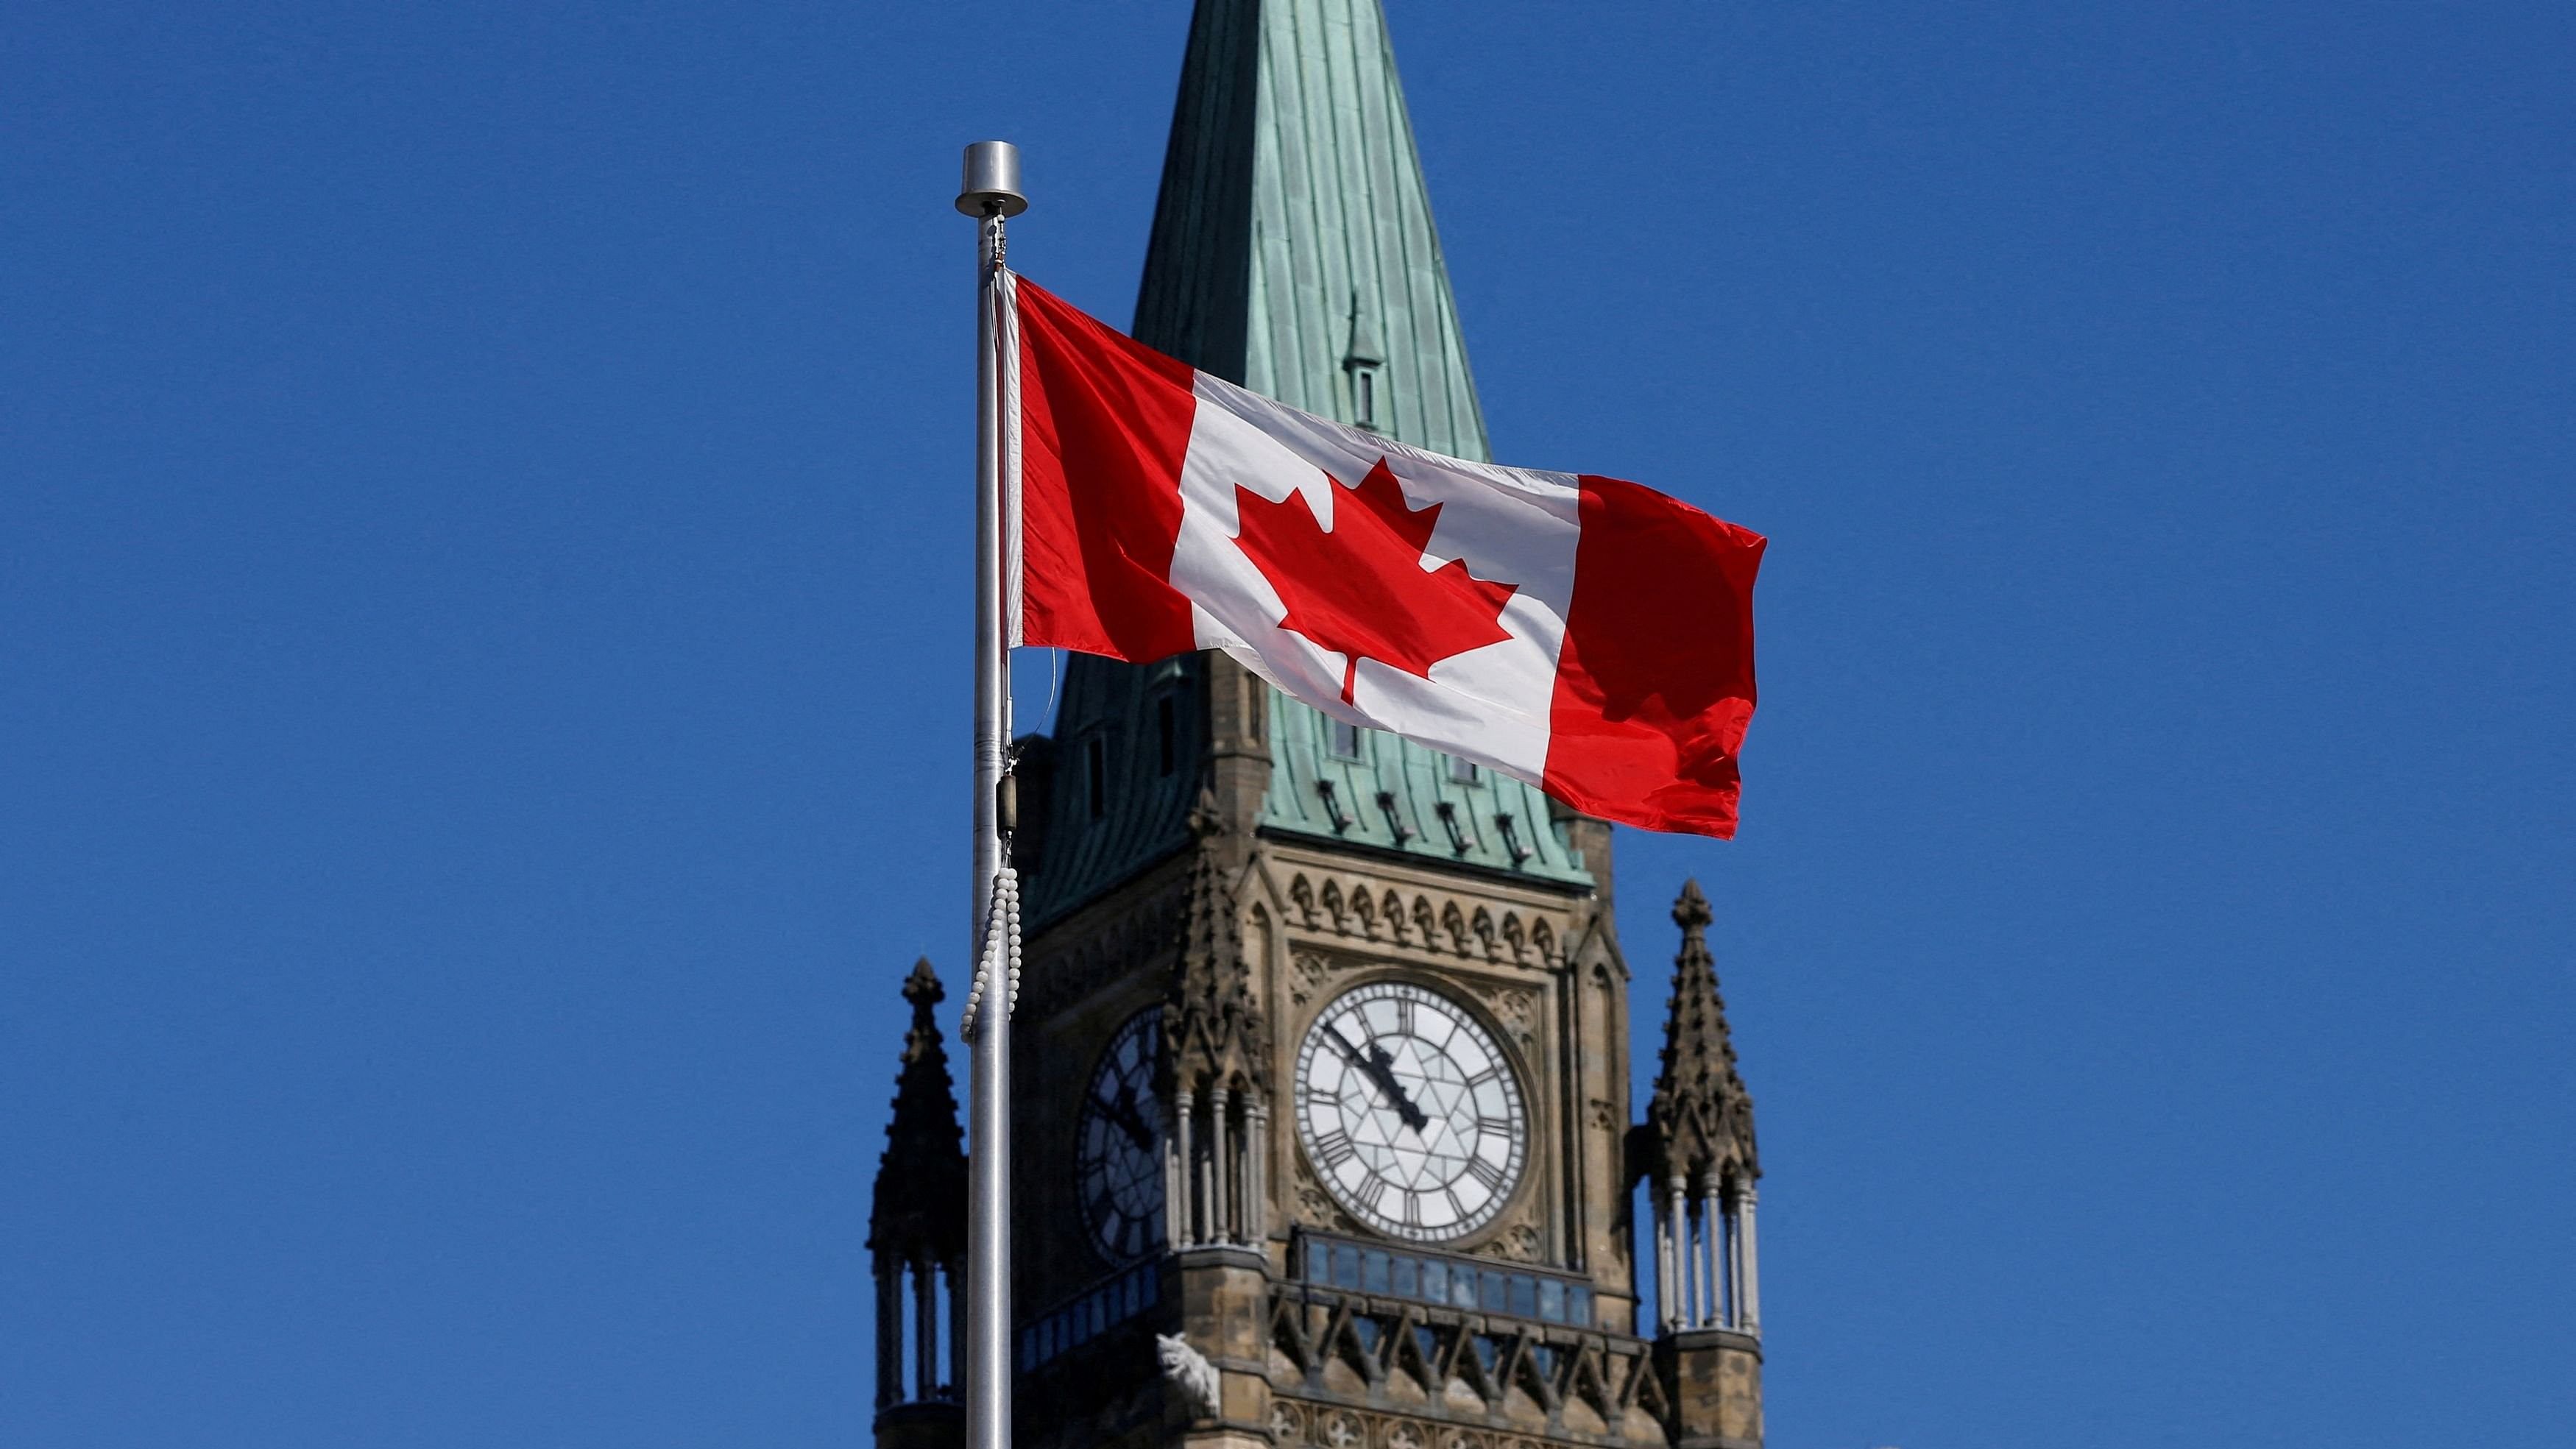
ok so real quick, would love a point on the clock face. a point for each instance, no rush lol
(1409, 1112)
(1118, 1142)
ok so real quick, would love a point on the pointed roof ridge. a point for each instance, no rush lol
(1701, 1112)
(920, 1199)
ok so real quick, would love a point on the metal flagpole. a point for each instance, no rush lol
(990, 192)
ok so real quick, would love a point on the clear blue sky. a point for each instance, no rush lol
(483, 526)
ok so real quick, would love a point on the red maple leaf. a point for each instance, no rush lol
(1361, 590)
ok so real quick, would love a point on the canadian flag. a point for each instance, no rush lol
(1587, 635)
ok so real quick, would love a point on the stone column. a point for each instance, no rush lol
(1731, 1261)
(1219, 1228)
(1697, 1268)
(1677, 1288)
(1663, 1264)
(1748, 1266)
(1256, 1153)
(955, 1268)
(925, 1329)
(1177, 1195)
(889, 1330)
(1712, 1243)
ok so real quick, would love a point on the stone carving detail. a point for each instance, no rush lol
(1337, 1428)
(1603, 1116)
(1517, 1243)
(1516, 1007)
(1557, 1365)
(1448, 925)
(1306, 973)
(1318, 1210)
(1189, 1373)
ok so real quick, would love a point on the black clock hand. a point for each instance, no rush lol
(1123, 1112)
(1380, 1068)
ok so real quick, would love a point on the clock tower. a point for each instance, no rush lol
(1324, 1136)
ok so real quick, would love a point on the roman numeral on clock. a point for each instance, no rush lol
(1333, 1147)
(1485, 1172)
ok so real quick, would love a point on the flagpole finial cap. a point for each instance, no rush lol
(992, 180)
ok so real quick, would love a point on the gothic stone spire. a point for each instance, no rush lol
(1701, 1114)
(1210, 1021)
(920, 1210)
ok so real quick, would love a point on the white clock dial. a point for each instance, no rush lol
(1118, 1142)
(1409, 1112)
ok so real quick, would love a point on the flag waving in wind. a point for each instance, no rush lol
(1587, 635)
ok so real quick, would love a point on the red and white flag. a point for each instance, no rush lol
(1587, 635)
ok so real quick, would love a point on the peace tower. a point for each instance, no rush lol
(1323, 1135)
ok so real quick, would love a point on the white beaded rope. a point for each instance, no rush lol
(1001, 949)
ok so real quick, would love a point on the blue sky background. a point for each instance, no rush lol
(483, 521)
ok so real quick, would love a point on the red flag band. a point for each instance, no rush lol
(1588, 635)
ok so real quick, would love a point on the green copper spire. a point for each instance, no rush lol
(1292, 251)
